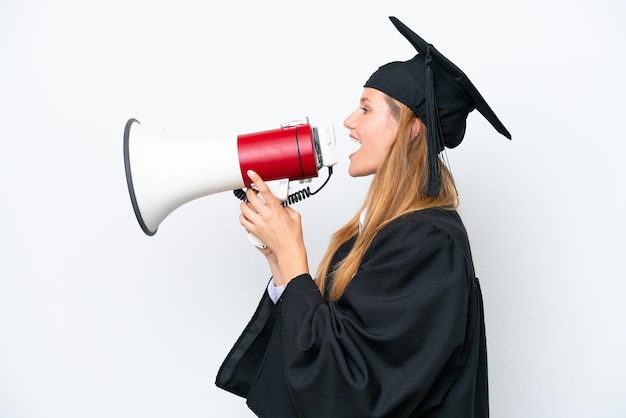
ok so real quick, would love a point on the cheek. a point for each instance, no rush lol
(380, 147)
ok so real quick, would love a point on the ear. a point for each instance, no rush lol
(416, 127)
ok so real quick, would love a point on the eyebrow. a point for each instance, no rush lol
(365, 99)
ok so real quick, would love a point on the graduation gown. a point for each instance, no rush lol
(406, 339)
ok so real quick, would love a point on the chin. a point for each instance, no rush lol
(361, 168)
(355, 172)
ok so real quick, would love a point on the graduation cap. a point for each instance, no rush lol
(438, 92)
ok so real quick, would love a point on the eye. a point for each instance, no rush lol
(365, 110)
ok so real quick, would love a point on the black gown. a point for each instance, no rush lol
(406, 339)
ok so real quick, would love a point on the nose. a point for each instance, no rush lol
(348, 123)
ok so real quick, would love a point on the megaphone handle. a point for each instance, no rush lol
(256, 241)
(280, 190)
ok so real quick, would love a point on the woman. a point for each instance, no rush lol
(392, 326)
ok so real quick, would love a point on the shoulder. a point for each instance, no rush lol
(446, 219)
(421, 232)
(426, 222)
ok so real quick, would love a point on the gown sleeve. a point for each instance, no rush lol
(396, 344)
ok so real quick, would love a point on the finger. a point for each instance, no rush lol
(246, 207)
(246, 221)
(267, 196)
(248, 214)
(256, 179)
(243, 221)
(252, 196)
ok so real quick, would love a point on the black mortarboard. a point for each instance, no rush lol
(438, 92)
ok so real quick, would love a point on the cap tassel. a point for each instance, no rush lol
(435, 138)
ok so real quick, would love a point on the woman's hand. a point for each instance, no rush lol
(280, 229)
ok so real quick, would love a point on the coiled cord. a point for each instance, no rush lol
(296, 197)
(241, 195)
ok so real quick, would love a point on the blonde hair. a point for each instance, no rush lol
(399, 187)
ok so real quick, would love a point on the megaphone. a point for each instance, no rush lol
(163, 173)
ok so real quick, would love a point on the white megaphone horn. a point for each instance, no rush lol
(165, 173)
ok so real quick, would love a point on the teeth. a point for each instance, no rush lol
(355, 140)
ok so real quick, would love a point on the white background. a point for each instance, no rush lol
(99, 320)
